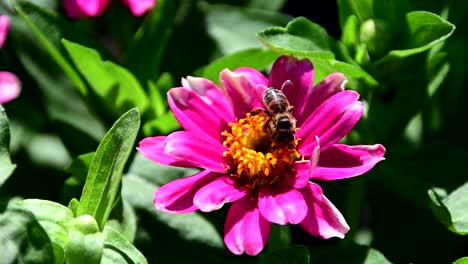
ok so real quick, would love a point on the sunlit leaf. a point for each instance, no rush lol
(24, 239)
(54, 219)
(451, 210)
(111, 82)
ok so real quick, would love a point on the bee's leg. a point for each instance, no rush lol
(258, 110)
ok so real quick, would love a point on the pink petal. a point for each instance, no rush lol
(4, 27)
(299, 72)
(215, 194)
(239, 92)
(302, 173)
(282, 208)
(343, 161)
(139, 7)
(313, 98)
(330, 122)
(195, 115)
(245, 229)
(195, 150)
(85, 8)
(255, 77)
(177, 196)
(211, 94)
(153, 149)
(323, 218)
(304, 169)
(10, 86)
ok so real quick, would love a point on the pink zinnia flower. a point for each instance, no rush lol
(4, 27)
(267, 181)
(94, 8)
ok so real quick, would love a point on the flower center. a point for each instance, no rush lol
(257, 157)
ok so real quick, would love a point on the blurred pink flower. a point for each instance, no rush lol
(10, 86)
(267, 181)
(4, 27)
(94, 8)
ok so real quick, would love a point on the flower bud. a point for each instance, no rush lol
(376, 35)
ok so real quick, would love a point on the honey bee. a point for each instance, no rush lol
(282, 122)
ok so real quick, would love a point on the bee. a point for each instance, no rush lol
(281, 123)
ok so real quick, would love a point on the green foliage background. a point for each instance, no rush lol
(71, 181)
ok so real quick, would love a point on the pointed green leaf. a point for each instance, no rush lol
(258, 59)
(105, 172)
(6, 166)
(117, 249)
(451, 210)
(111, 82)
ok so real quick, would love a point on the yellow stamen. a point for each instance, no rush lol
(257, 159)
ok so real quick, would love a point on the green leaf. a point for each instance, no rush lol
(85, 242)
(296, 254)
(23, 239)
(463, 260)
(162, 125)
(148, 48)
(322, 68)
(111, 82)
(123, 218)
(300, 37)
(6, 166)
(158, 93)
(35, 34)
(424, 31)
(248, 21)
(117, 249)
(105, 172)
(53, 217)
(258, 59)
(38, 21)
(80, 165)
(362, 9)
(451, 210)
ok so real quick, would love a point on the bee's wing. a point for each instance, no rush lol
(288, 89)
